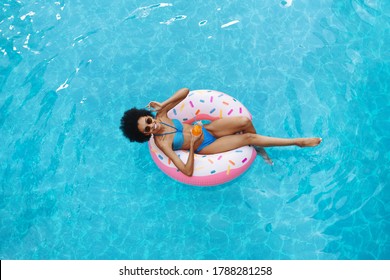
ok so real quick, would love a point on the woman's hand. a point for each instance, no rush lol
(196, 139)
(157, 106)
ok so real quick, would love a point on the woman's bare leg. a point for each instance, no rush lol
(230, 125)
(265, 141)
(231, 142)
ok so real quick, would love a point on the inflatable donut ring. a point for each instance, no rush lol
(209, 170)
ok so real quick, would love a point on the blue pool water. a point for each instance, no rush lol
(73, 188)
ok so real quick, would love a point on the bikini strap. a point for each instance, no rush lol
(169, 125)
(166, 133)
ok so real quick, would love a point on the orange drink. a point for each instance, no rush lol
(196, 130)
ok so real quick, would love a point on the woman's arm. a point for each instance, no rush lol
(171, 102)
(188, 167)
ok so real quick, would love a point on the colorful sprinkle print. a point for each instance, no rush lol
(207, 105)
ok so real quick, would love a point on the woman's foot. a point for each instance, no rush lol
(308, 142)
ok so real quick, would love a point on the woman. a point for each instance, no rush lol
(218, 136)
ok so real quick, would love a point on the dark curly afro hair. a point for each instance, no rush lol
(129, 125)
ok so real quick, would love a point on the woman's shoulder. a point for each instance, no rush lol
(162, 143)
(162, 115)
(165, 119)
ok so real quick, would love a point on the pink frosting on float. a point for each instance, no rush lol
(210, 170)
(203, 181)
(201, 117)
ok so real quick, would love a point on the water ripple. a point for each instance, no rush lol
(82, 37)
(366, 11)
(230, 23)
(65, 84)
(286, 3)
(176, 18)
(143, 12)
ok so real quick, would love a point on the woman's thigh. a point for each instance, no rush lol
(226, 143)
(228, 126)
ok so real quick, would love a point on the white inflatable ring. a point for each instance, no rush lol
(209, 170)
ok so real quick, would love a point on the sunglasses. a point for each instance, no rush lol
(148, 121)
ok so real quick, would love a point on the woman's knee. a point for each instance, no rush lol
(243, 122)
(249, 138)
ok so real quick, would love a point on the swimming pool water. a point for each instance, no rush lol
(73, 188)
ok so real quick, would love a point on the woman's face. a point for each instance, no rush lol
(147, 125)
